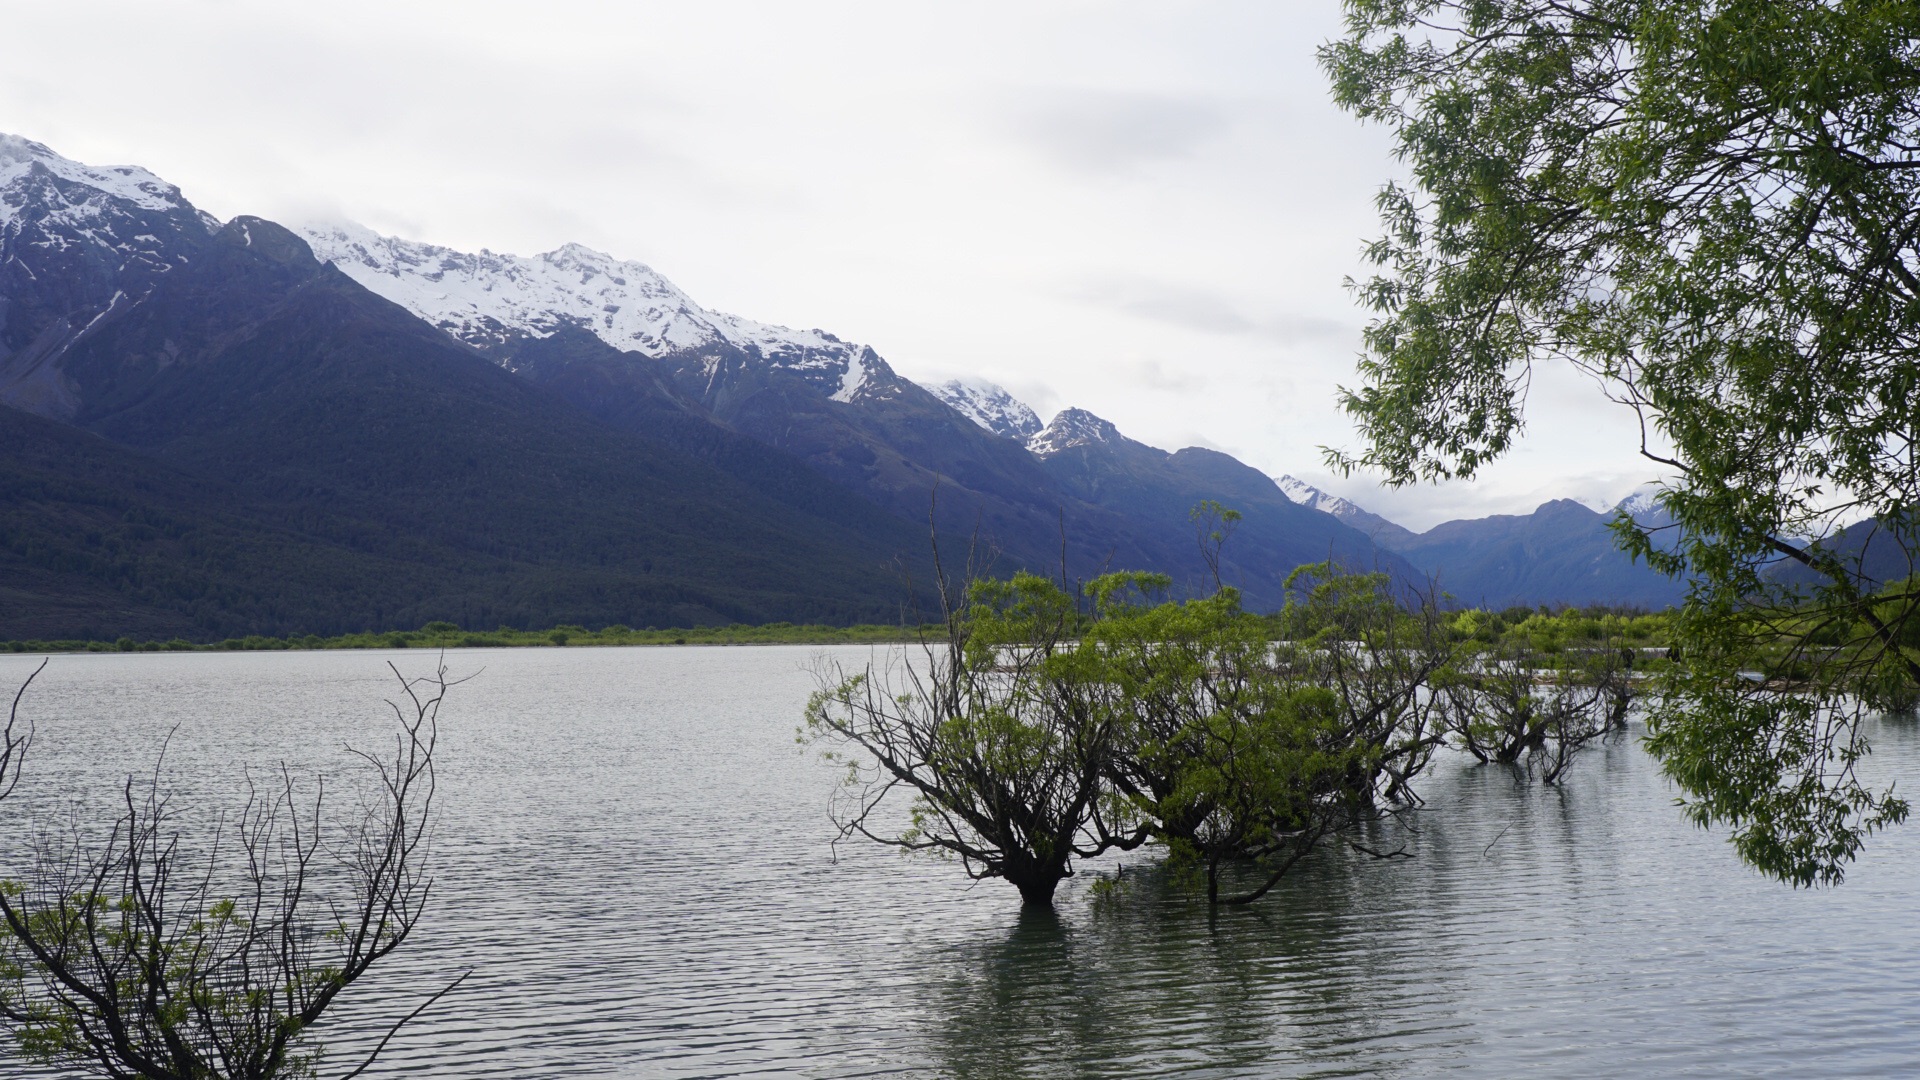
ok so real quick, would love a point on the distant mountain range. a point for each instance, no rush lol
(213, 428)
(1562, 553)
(619, 341)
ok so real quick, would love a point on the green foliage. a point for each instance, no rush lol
(1213, 525)
(1516, 703)
(998, 739)
(1043, 729)
(1712, 208)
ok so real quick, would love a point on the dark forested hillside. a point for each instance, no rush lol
(382, 474)
(220, 433)
(1562, 553)
(1875, 553)
(1156, 490)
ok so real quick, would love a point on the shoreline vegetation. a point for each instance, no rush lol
(449, 636)
(1546, 629)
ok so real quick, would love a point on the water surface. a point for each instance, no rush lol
(633, 856)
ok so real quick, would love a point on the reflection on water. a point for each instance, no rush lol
(633, 856)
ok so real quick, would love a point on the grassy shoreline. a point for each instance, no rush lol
(1543, 630)
(448, 636)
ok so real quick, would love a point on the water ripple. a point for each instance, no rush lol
(633, 858)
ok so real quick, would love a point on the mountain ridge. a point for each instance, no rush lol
(1561, 553)
(567, 437)
(965, 452)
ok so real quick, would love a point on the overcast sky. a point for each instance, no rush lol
(1145, 209)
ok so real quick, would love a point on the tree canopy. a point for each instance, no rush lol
(1709, 206)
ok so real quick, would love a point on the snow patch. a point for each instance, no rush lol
(1313, 498)
(22, 160)
(488, 298)
(112, 304)
(1071, 428)
(852, 379)
(989, 406)
(1642, 503)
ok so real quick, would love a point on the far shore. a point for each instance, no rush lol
(447, 636)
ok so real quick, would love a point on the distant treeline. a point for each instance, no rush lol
(445, 635)
(1543, 629)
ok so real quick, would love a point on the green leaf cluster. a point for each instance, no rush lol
(1052, 725)
(1711, 208)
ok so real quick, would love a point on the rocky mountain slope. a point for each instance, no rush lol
(387, 473)
(1383, 532)
(457, 427)
(76, 244)
(991, 407)
(619, 340)
(1093, 461)
(398, 432)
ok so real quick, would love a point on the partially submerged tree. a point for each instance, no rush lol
(147, 954)
(1039, 732)
(999, 738)
(1516, 706)
(1305, 740)
(1376, 645)
(1222, 756)
(1712, 208)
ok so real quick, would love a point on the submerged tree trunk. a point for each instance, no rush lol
(1037, 891)
(1036, 878)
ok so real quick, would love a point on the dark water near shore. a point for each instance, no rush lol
(633, 857)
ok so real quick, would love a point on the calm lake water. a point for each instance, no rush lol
(633, 856)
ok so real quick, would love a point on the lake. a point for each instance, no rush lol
(633, 856)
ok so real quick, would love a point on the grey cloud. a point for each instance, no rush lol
(1038, 396)
(1108, 132)
(1199, 309)
(1205, 443)
(1154, 375)
(1035, 394)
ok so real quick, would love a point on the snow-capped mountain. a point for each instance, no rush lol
(620, 341)
(1071, 428)
(1643, 505)
(599, 330)
(1312, 497)
(128, 312)
(77, 243)
(1383, 532)
(990, 406)
(38, 184)
(489, 299)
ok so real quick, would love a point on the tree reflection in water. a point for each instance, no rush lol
(1150, 980)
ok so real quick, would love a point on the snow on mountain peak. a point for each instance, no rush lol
(79, 196)
(1313, 498)
(1298, 490)
(1071, 428)
(989, 406)
(1380, 529)
(1643, 503)
(129, 183)
(486, 298)
(489, 298)
(852, 379)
